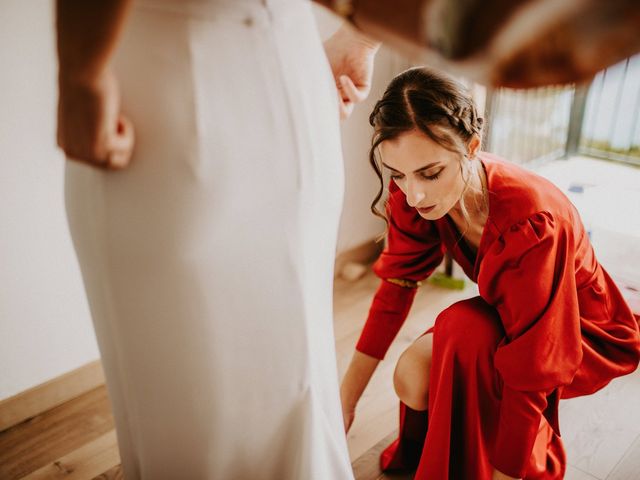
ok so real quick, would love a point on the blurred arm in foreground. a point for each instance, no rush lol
(512, 43)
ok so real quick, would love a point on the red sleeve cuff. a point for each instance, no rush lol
(389, 310)
(520, 416)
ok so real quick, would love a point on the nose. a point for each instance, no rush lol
(415, 195)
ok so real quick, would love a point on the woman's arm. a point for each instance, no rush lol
(516, 43)
(90, 126)
(413, 251)
(356, 379)
(397, 23)
(87, 36)
(528, 273)
(400, 17)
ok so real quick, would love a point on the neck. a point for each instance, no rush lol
(474, 198)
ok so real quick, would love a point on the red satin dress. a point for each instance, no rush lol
(549, 324)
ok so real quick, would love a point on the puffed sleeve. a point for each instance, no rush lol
(528, 274)
(412, 252)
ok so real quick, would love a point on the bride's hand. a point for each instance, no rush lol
(351, 56)
(91, 128)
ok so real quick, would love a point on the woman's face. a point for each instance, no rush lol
(427, 173)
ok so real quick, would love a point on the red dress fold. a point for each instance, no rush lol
(549, 324)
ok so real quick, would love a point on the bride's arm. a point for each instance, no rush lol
(518, 43)
(87, 35)
(90, 126)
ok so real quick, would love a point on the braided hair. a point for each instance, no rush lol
(429, 101)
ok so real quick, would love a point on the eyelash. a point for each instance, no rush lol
(425, 177)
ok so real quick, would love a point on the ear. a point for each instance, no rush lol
(474, 145)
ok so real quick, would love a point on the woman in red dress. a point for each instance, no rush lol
(480, 390)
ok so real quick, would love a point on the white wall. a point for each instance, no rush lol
(45, 328)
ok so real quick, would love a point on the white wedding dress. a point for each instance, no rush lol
(208, 263)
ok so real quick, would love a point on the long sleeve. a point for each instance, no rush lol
(528, 275)
(412, 252)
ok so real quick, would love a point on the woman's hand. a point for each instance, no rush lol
(348, 410)
(91, 128)
(351, 56)
(355, 380)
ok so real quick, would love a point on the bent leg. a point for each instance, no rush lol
(465, 397)
(411, 376)
(464, 393)
(454, 369)
(451, 372)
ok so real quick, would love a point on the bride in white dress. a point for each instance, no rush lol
(208, 260)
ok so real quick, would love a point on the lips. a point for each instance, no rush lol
(427, 209)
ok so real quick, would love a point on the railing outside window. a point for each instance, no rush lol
(611, 126)
(600, 119)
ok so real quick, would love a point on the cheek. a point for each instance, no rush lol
(448, 184)
(456, 183)
(450, 189)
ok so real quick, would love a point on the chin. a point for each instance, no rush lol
(435, 214)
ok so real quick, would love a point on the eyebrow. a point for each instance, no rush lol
(426, 167)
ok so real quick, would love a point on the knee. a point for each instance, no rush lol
(411, 376)
(468, 328)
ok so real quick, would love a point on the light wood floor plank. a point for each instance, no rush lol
(376, 426)
(367, 466)
(42, 439)
(86, 462)
(57, 391)
(114, 473)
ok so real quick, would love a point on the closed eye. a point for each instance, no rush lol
(435, 176)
